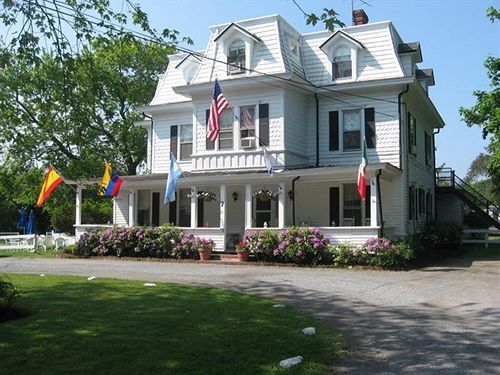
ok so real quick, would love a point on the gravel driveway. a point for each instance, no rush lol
(441, 319)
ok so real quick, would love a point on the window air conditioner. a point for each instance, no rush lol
(248, 142)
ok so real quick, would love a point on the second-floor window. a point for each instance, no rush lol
(236, 57)
(342, 63)
(247, 121)
(351, 129)
(186, 141)
(412, 134)
(428, 149)
(226, 134)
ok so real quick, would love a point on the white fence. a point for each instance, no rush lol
(481, 236)
(32, 242)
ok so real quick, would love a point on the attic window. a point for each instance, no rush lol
(189, 75)
(236, 57)
(342, 63)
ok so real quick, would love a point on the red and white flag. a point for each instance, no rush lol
(217, 108)
(362, 173)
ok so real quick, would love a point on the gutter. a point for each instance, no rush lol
(151, 141)
(317, 129)
(400, 95)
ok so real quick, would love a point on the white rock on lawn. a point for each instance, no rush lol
(42, 274)
(91, 278)
(309, 331)
(279, 306)
(149, 284)
(289, 362)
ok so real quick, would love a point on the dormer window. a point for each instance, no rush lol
(189, 74)
(342, 63)
(236, 57)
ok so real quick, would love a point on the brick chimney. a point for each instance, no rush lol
(359, 17)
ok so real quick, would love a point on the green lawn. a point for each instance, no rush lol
(27, 254)
(108, 326)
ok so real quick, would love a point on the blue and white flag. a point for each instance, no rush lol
(173, 174)
(267, 160)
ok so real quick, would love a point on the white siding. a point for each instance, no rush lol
(172, 77)
(266, 55)
(387, 130)
(161, 139)
(377, 60)
(299, 116)
(120, 208)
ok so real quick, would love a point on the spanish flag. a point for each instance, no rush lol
(52, 180)
(110, 185)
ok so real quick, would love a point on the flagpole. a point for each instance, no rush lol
(64, 179)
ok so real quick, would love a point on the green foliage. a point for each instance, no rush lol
(329, 17)
(161, 242)
(8, 293)
(378, 252)
(493, 14)
(441, 236)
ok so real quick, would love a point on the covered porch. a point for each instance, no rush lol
(222, 206)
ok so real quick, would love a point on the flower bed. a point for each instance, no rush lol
(161, 242)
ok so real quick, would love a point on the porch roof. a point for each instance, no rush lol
(344, 172)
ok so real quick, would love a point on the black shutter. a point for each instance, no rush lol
(209, 145)
(200, 212)
(263, 124)
(173, 140)
(334, 206)
(370, 135)
(334, 130)
(155, 214)
(368, 201)
(172, 212)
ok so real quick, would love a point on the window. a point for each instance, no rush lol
(352, 203)
(226, 134)
(236, 57)
(342, 64)
(412, 134)
(186, 141)
(428, 149)
(351, 130)
(421, 201)
(411, 203)
(184, 207)
(247, 121)
(262, 212)
(143, 207)
(189, 75)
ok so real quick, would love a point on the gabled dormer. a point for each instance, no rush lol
(342, 51)
(238, 45)
(189, 65)
(410, 55)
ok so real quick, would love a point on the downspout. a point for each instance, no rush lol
(150, 141)
(401, 145)
(379, 201)
(400, 95)
(317, 129)
(293, 204)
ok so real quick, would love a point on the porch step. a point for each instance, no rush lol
(223, 258)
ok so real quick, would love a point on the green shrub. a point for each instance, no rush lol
(8, 293)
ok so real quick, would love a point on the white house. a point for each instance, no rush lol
(308, 100)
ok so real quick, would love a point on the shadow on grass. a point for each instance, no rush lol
(395, 340)
(122, 327)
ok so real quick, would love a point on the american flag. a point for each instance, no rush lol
(219, 105)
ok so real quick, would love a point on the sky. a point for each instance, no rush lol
(455, 37)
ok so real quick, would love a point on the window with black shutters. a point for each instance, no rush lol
(186, 141)
(351, 130)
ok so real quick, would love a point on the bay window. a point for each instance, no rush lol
(226, 134)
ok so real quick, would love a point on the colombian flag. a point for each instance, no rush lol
(110, 185)
(52, 180)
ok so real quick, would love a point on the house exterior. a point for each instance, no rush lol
(301, 105)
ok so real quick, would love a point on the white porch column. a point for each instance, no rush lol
(194, 206)
(373, 202)
(131, 208)
(223, 211)
(248, 206)
(78, 211)
(281, 205)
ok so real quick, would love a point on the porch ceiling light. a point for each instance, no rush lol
(290, 195)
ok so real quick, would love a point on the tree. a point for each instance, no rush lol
(478, 177)
(78, 112)
(486, 112)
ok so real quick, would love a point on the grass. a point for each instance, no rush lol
(108, 326)
(27, 254)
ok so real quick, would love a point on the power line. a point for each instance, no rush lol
(150, 39)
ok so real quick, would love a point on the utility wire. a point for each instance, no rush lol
(148, 38)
